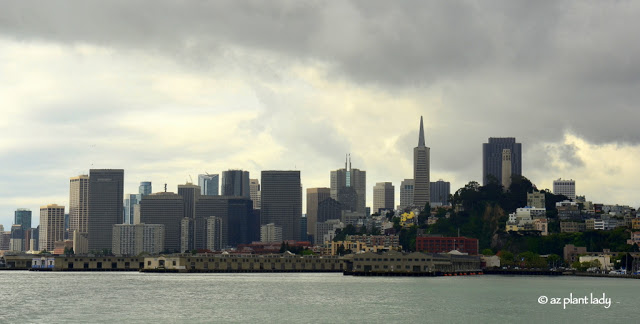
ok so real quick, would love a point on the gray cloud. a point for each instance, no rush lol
(569, 65)
(529, 69)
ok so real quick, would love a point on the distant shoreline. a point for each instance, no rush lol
(491, 272)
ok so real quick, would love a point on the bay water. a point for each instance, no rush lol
(132, 297)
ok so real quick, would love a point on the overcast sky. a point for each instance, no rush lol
(169, 89)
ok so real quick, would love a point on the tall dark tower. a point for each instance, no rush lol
(165, 208)
(281, 199)
(421, 177)
(106, 190)
(235, 183)
(492, 158)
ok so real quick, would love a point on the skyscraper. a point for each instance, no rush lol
(214, 234)
(209, 184)
(383, 196)
(281, 199)
(314, 197)
(234, 215)
(106, 188)
(235, 183)
(164, 208)
(349, 187)
(254, 192)
(22, 217)
(79, 204)
(16, 243)
(51, 226)
(492, 158)
(129, 207)
(440, 191)
(406, 193)
(421, 164)
(190, 194)
(145, 188)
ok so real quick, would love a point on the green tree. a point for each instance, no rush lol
(576, 265)
(424, 214)
(284, 247)
(487, 252)
(584, 265)
(553, 260)
(623, 261)
(506, 258)
(407, 238)
(396, 224)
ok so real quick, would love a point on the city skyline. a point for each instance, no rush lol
(221, 85)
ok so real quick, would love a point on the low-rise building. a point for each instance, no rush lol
(572, 227)
(606, 224)
(528, 219)
(568, 210)
(59, 247)
(284, 262)
(440, 244)
(417, 263)
(541, 225)
(635, 238)
(571, 253)
(536, 199)
(326, 231)
(365, 243)
(490, 261)
(604, 261)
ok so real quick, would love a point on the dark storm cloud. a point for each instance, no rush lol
(573, 63)
(529, 69)
(410, 43)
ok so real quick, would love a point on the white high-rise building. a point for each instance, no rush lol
(406, 193)
(254, 192)
(51, 226)
(565, 187)
(270, 233)
(79, 204)
(132, 240)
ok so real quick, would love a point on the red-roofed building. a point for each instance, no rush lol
(439, 244)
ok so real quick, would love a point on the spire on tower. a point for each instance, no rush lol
(421, 136)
